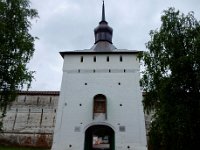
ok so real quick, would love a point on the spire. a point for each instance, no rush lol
(103, 13)
(103, 33)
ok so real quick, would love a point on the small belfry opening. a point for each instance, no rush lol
(99, 107)
(99, 137)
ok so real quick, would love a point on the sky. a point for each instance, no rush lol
(67, 25)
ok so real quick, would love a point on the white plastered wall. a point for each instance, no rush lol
(119, 82)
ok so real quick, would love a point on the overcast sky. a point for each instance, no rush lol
(65, 25)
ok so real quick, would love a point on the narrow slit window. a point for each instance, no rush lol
(81, 58)
(108, 59)
(121, 59)
(94, 59)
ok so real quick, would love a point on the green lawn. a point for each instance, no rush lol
(20, 148)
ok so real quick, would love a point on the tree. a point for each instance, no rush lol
(171, 81)
(16, 48)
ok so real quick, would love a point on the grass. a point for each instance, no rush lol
(19, 148)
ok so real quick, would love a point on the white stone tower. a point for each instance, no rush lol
(100, 99)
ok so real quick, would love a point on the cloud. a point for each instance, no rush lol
(68, 25)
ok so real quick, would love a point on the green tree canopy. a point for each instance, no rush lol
(171, 81)
(16, 47)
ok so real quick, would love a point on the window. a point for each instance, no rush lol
(121, 59)
(81, 58)
(94, 59)
(99, 108)
(107, 58)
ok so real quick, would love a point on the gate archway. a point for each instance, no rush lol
(99, 137)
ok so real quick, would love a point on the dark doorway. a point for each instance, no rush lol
(99, 137)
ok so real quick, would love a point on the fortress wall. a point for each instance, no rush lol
(30, 119)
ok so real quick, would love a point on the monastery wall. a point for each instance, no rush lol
(30, 119)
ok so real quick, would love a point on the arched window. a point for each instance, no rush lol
(99, 108)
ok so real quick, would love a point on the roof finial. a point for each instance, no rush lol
(103, 34)
(103, 13)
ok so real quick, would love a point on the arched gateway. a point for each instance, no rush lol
(99, 137)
